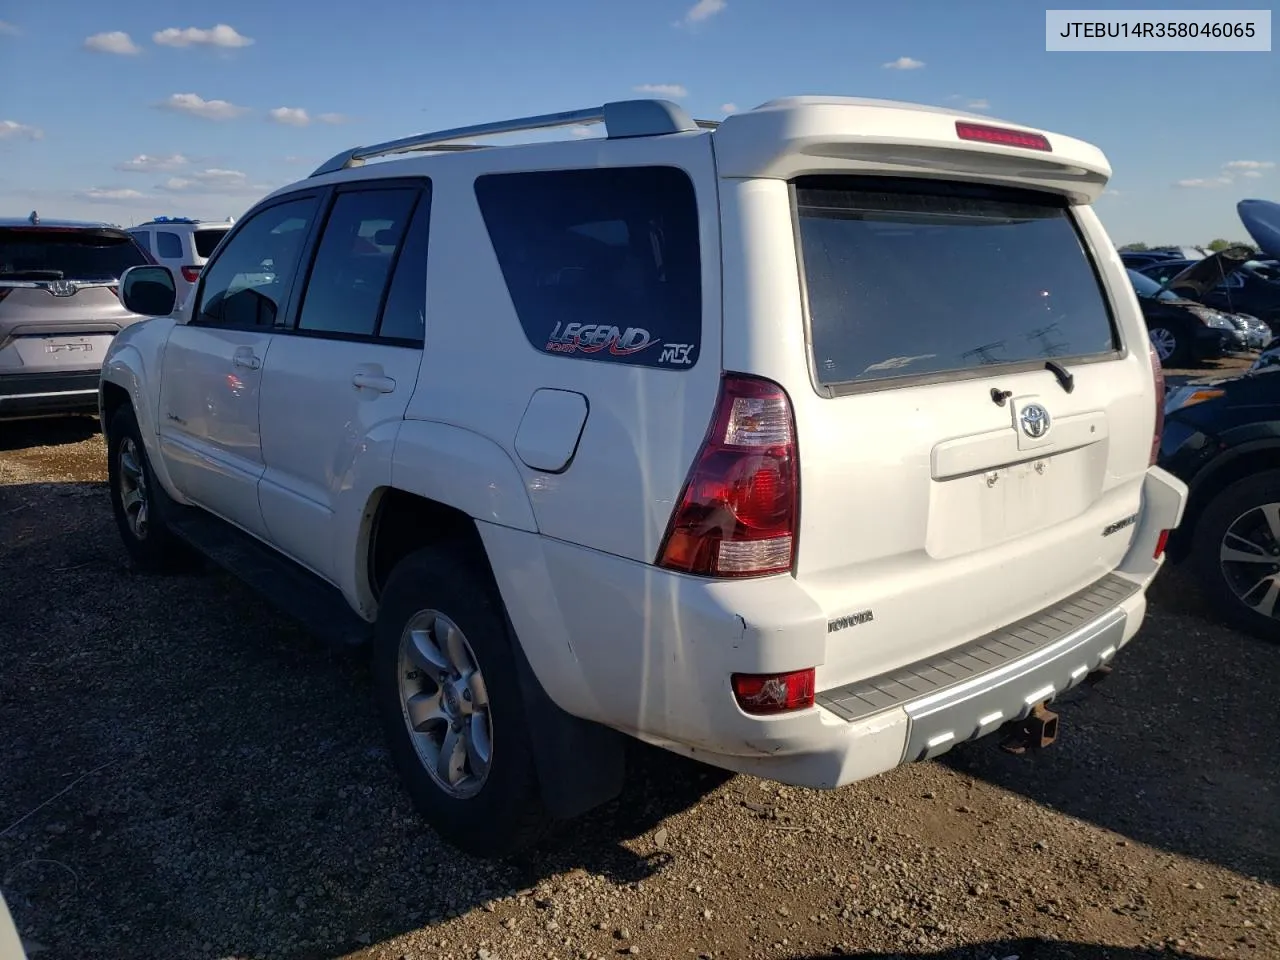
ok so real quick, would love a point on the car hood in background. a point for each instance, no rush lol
(1262, 219)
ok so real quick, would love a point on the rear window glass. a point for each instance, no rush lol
(207, 241)
(30, 253)
(601, 264)
(910, 279)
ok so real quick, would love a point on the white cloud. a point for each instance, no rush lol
(11, 129)
(674, 90)
(333, 118)
(703, 10)
(113, 41)
(217, 36)
(1255, 165)
(8, 29)
(289, 116)
(197, 106)
(1252, 174)
(1203, 182)
(978, 104)
(581, 132)
(108, 195)
(1112, 192)
(213, 180)
(145, 163)
(728, 108)
(903, 63)
(292, 158)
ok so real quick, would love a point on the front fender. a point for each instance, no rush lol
(464, 470)
(133, 363)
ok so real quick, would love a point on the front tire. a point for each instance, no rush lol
(135, 496)
(446, 686)
(1236, 547)
(1171, 346)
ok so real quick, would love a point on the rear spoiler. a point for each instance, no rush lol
(803, 136)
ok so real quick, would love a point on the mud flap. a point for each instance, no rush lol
(581, 764)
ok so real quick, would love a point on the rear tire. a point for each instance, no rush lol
(1243, 522)
(446, 684)
(138, 500)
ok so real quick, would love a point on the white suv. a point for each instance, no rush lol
(181, 244)
(806, 445)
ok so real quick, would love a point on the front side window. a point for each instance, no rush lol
(929, 279)
(354, 260)
(248, 284)
(601, 264)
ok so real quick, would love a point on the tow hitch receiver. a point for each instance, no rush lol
(1037, 731)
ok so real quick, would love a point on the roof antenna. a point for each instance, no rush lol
(34, 218)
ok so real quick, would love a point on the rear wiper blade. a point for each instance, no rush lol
(33, 274)
(1065, 378)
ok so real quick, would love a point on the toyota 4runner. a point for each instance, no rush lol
(806, 444)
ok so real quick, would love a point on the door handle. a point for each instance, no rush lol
(370, 381)
(246, 360)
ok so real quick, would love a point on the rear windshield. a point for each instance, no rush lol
(207, 240)
(31, 253)
(929, 279)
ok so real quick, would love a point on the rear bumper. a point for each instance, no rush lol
(650, 653)
(32, 394)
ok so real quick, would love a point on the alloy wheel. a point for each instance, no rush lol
(133, 488)
(1164, 341)
(1249, 556)
(445, 703)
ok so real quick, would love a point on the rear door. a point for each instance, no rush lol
(336, 385)
(973, 422)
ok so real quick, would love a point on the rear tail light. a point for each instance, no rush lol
(1002, 136)
(738, 513)
(774, 692)
(191, 274)
(1157, 376)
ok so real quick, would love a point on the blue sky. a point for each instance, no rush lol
(125, 112)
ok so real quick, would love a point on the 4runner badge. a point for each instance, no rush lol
(853, 620)
(1034, 420)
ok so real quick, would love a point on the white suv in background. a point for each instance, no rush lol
(181, 244)
(807, 444)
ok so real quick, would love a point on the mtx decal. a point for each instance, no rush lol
(594, 337)
(677, 354)
(853, 620)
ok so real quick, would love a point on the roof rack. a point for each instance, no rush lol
(621, 118)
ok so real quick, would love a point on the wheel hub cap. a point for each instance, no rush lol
(133, 488)
(445, 704)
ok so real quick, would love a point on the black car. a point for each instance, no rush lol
(1182, 331)
(1235, 280)
(1222, 438)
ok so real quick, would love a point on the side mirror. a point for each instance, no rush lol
(149, 291)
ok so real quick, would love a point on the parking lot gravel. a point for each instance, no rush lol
(184, 773)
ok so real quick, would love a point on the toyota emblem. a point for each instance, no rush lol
(1035, 420)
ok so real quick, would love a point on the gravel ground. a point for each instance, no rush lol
(183, 773)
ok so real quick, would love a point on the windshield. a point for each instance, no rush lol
(33, 253)
(1007, 279)
(1147, 288)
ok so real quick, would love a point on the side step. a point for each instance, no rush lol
(295, 591)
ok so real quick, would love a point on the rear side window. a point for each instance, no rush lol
(168, 245)
(354, 261)
(206, 241)
(907, 279)
(52, 253)
(404, 314)
(601, 264)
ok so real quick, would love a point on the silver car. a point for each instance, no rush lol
(59, 310)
